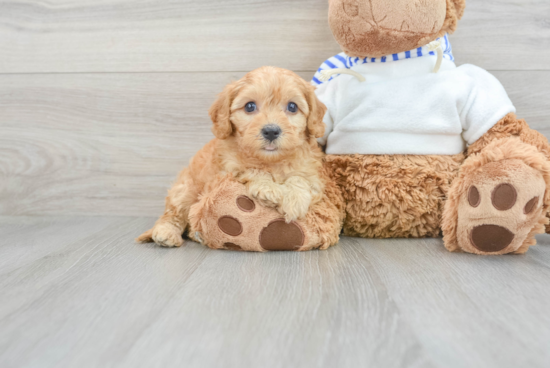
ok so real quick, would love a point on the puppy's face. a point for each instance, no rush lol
(270, 113)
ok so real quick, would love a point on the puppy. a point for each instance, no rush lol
(266, 125)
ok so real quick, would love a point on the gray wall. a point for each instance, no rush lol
(103, 102)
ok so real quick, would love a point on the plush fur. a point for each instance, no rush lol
(374, 28)
(286, 174)
(394, 195)
(511, 126)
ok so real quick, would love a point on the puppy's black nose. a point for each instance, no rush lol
(271, 132)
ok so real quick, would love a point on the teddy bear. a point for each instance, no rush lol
(420, 147)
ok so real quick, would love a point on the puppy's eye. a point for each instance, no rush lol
(292, 107)
(250, 107)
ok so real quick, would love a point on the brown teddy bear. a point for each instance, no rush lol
(420, 146)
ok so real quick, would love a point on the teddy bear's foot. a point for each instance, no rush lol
(499, 205)
(501, 208)
(227, 218)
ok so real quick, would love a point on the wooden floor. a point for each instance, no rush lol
(77, 292)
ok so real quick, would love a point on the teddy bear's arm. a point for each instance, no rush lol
(511, 126)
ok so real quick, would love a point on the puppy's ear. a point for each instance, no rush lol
(317, 111)
(220, 112)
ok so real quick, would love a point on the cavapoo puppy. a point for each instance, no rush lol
(266, 125)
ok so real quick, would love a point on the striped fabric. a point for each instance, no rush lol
(343, 61)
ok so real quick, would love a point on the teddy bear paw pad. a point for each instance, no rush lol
(279, 235)
(246, 204)
(491, 238)
(230, 225)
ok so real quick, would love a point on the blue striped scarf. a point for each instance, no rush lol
(343, 61)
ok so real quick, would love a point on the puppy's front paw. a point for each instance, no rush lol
(295, 205)
(167, 235)
(268, 193)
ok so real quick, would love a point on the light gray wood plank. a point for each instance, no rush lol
(504, 35)
(484, 300)
(91, 135)
(101, 144)
(100, 300)
(145, 36)
(238, 35)
(36, 232)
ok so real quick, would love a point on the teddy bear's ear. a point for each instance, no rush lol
(460, 5)
(220, 112)
(455, 11)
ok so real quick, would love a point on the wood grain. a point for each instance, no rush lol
(76, 292)
(504, 35)
(153, 36)
(112, 143)
(238, 35)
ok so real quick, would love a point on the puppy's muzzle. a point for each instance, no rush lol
(271, 132)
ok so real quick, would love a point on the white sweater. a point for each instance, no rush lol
(404, 108)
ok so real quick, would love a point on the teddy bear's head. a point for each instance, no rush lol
(377, 28)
